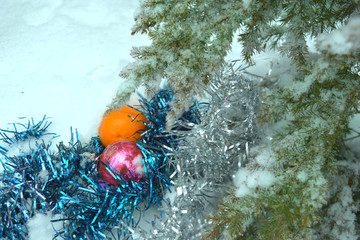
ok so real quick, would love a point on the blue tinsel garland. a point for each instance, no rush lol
(66, 181)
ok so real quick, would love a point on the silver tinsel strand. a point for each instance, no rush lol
(210, 154)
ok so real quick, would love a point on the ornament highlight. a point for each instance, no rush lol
(125, 123)
(122, 157)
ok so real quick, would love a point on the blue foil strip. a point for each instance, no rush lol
(67, 182)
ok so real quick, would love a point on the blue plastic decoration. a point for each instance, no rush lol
(66, 181)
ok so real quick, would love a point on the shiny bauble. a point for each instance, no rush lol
(124, 157)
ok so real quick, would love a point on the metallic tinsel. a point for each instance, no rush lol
(66, 181)
(209, 155)
(20, 194)
(198, 157)
(31, 129)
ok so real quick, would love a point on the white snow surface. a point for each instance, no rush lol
(62, 58)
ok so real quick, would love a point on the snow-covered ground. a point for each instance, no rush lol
(62, 58)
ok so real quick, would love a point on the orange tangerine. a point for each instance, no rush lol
(125, 123)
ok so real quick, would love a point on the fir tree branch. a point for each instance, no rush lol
(189, 42)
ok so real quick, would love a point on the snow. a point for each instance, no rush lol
(341, 214)
(139, 165)
(40, 227)
(246, 3)
(302, 176)
(353, 139)
(247, 179)
(342, 41)
(62, 58)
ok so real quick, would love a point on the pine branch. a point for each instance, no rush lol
(189, 42)
(317, 105)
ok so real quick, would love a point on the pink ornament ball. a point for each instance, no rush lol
(125, 156)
